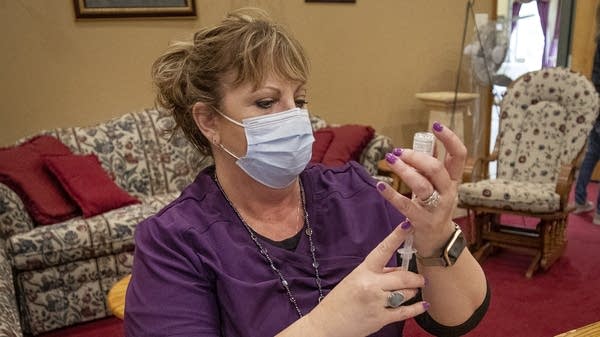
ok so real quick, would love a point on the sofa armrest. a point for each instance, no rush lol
(9, 324)
(14, 218)
(374, 152)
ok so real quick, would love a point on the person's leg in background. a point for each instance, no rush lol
(592, 155)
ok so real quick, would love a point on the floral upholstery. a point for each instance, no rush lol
(9, 324)
(64, 271)
(546, 116)
(80, 239)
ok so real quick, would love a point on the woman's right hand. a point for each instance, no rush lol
(357, 305)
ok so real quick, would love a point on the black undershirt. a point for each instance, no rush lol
(288, 244)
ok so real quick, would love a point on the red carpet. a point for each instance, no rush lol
(561, 299)
(106, 327)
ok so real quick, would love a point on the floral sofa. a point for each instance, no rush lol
(63, 272)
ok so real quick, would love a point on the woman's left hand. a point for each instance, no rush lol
(425, 175)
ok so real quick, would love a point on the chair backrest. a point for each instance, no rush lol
(545, 118)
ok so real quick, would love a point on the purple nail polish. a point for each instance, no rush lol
(426, 305)
(390, 158)
(405, 224)
(438, 127)
(380, 186)
(397, 152)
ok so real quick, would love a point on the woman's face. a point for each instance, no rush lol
(244, 101)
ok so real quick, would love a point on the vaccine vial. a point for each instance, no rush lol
(424, 142)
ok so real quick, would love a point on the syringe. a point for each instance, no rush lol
(422, 142)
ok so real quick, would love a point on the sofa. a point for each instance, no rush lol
(57, 275)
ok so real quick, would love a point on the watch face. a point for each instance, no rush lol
(456, 249)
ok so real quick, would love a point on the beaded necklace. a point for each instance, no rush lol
(265, 253)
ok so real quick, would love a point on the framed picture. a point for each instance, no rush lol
(134, 8)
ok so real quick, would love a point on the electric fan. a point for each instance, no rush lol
(487, 53)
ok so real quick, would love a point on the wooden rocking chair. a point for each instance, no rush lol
(545, 118)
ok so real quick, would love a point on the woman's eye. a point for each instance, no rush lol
(265, 104)
(301, 103)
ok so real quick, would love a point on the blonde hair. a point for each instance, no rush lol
(247, 43)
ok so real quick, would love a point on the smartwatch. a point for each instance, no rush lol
(450, 252)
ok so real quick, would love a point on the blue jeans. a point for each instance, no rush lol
(592, 155)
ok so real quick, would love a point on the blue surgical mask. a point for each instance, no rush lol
(279, 146)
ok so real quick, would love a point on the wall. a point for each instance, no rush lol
(368, 60)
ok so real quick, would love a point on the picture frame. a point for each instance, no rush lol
(133, 8)
(340, 1)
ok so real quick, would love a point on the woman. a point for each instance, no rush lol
(592, 152)
(262, 245)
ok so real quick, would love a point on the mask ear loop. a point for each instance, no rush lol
(228, 152)
(229, 118)
(221, 145)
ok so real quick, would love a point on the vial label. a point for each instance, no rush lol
(424, 142)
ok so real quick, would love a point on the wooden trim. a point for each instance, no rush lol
(584, 44)
(84, 11)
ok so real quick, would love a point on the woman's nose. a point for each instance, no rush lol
(288, 104)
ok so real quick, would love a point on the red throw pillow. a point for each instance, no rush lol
(88, 184)
(348, 143)
(323, 139)
(22, 169)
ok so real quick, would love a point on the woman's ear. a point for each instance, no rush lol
(206, 121)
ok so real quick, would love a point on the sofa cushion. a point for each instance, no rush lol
(71, 293)
(22, 169)
(88, 184)
(323, 139)
(347, 144)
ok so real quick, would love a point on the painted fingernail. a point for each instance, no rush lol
(426, 305)
(397, 152)
(438, 127)
(380, 186)
(406, 224)
(390, 158)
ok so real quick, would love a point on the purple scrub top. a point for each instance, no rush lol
(196, 271)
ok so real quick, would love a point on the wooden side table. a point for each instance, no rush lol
(116, 297)
(397, 184)
(440, 105)
(587, 331)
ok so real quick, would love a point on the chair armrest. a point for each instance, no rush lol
(564, 182)
(475, 167)
(566, 176)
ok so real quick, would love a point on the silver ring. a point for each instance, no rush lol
(394, 299)
(432, 201)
